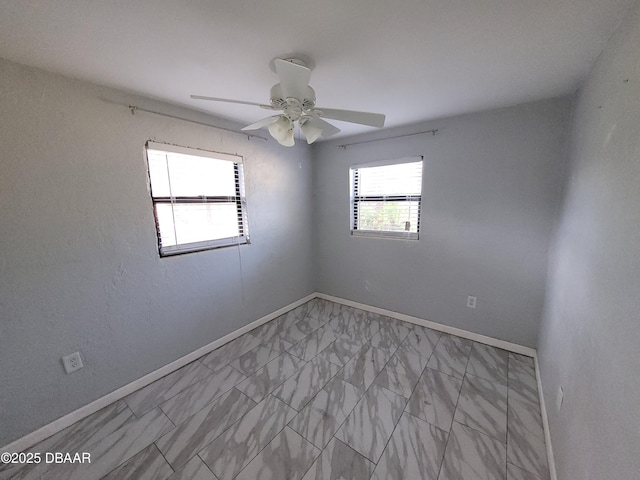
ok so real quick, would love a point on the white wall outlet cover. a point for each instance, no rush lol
(72, 362)
(472, 301)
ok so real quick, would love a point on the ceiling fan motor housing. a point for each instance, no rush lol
(278, 100)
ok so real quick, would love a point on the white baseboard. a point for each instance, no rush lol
(60, 424)
(476, 337)
(494, 342)
(545, 423)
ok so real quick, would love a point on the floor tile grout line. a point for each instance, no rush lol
(247, 375)
(482, 361)
(139, 451)
(284, 426)
(533, 474)
(88, 447)
(206, 466)
(239, 419)
(161, 454)
(199, 360)
(404, 410)
(507, 456)
(133, 414)
(386, 445)
(449, 433)
(311, 399)
(279, 384)
(425, 421)
(211, 400)
(179, 392)
(341, 366)
(133, 418)
(131, 409)
(296, 323)
(459, 394)
(365, 393)
(223, 430)
(452, 418)
(349, 413)
(266, 445)
(492, 381)
(416, 385)
(345, 417)
(481, 432)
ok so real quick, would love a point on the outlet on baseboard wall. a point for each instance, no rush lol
(72, 362)
(472, 301)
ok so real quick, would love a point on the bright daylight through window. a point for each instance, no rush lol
(198, 198)
(386, 198)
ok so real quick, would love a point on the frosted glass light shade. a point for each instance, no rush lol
(282, 131)
(311, 132)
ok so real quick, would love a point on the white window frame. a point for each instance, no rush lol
(239, 199)
(355, 199)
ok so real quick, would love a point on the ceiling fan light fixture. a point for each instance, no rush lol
(310, 131)
(282, 131)
(297, 100)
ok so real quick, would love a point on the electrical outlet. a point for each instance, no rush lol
(472, 301)
(72, 362)
(559, 398)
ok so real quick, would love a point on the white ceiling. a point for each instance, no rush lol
(410, 59)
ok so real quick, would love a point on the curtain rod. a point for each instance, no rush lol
(135, 109)
(344, 147)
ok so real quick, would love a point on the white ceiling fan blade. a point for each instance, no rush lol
(226, 100)
(327, 128)
(262, 123)
(294, 78)
(351, 116)
(314, 128)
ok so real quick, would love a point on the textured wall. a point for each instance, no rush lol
(79, 268)
(590, 334)
(491, 189)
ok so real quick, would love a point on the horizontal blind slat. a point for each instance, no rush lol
(198, 200)
(387, 198)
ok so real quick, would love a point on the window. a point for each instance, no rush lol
(198, 198)
(386, 198)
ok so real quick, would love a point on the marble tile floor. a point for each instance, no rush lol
(323, 392)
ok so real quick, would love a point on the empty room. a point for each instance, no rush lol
(320, 240)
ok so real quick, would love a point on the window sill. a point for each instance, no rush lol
(379, 234)
(202, 246)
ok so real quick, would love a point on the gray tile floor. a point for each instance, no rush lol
(322, 392)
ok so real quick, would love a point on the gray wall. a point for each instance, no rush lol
(79, 268)
(590, 334)
(491, 189)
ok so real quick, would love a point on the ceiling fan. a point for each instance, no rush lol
(297, 101)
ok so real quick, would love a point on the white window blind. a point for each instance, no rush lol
(386, 198)
(198, 198)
